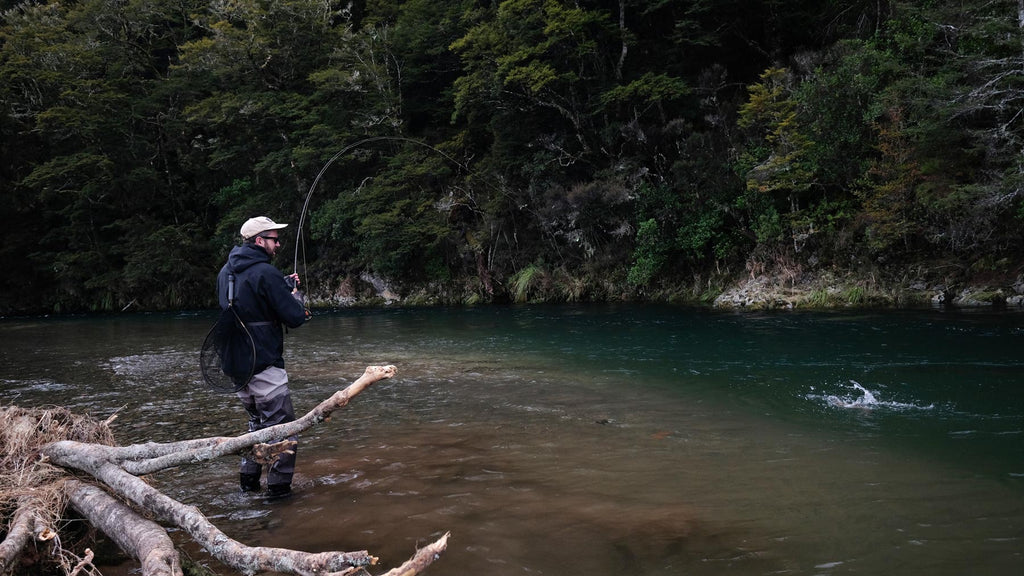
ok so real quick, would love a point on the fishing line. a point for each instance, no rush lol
(227, 358)
(299, 238)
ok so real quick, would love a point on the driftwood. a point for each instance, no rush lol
(38, 484)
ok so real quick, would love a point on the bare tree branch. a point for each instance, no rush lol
(139, 459)
(20, 531)
(423, 558)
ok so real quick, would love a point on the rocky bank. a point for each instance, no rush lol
(768, 293)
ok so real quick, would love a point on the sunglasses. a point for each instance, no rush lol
(273, 238)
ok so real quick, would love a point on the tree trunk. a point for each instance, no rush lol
(117, 470)
(144, 539)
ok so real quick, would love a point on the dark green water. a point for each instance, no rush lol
(563, 440)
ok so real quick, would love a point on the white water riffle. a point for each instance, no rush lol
(861, 398)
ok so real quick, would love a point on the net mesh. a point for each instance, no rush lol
(228, 355)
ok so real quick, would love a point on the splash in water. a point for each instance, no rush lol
(863, 399)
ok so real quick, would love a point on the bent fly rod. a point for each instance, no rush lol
(339, 154)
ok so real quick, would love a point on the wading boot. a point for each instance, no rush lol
(249, 482)
(278, 491)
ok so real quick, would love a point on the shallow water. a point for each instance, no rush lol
(596, 440)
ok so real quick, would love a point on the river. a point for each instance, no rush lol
(595, 440)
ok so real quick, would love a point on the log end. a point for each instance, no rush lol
(379, 372)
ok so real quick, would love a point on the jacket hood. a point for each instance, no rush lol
(246, 256)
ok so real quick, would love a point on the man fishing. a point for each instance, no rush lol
(265, 299)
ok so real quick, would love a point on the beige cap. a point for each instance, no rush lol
(258, 225)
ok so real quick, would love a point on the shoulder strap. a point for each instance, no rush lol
(231, 288)
(231, 284)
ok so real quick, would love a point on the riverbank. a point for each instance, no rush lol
(765, 291)
(921, 287)
(829, 292)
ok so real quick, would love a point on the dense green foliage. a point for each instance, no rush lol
(548, 149)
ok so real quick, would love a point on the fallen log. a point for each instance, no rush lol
(144, 539)
(40, 480)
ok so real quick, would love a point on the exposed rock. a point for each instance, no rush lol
(757, 293)
(366, 289)
(382, 287)
(972, 297)
(1018, 285)
(824, 291)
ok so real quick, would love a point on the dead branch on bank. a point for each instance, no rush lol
(42, 448)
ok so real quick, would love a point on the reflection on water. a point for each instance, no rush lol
(574, 441)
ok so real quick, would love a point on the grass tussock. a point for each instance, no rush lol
(26, 479)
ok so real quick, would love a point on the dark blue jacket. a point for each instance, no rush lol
(263, 301)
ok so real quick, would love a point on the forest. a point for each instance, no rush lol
(506, 151)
